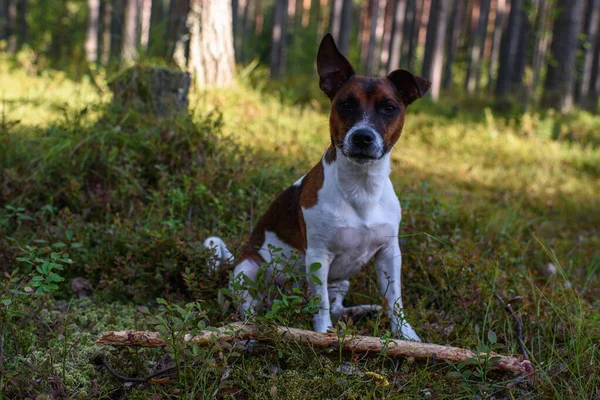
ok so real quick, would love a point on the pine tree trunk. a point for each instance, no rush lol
(211, 43)
(345, 27)
(588, 48)
(116, 28)
(387, 20)
(476, 44)
(499, 26)
(407, 34)
(146, 15)
(509, 47)
(397, 35)
(433, 61)
(590, 102)
(277, 64)
(540, 46)
(91, 35)
(157, 41)
(560, 78)
(130, 31)
(105, 36)
(369, 66)
(246, 39)
(524, 43)
(456, 24)
(3, 18)
(11, 27)
(363, 31)
(177, 27)
(416, 30)
(235, 16)
(22, 9)
(335, 19)
(259, 18)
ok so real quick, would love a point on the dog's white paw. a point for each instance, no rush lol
(408, 333)
(322, 323)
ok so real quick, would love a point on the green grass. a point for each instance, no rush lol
(486, 197)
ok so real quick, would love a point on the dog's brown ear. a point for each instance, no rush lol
(334, 69)
(411, 87)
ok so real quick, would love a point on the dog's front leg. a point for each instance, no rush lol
(318, 287)
(389, 265)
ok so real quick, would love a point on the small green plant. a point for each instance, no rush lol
(45, 269)
(479, 366)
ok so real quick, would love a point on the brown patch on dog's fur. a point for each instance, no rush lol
(284, 216)
(311, 184)
(330, 155)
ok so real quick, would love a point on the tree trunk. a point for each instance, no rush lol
(11, 26)
(407, 33)
(105, 37)
(499, 22)
(146, 15)
(560, 78)
(177, 27)
(387, 21)
(247, 25)
(3, 18)
(414, 36)
(433, 61)
(116, 28)
(397, 35)
(335, 19)
(453, 40)
(157, 41)
(130, 31)
(590, 102)
(369, 66)
(524, 43)
(540, 45)
(235, 16)
(476, 46)
(91, 35)
(22, 9)
(259, 18)
(509, 48)
(277, 64)
(345, 28)
(211, 43)
(588, 48)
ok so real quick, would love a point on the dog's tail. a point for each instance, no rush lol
(220, 251)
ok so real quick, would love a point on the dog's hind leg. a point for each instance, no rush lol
(245, 274)
(339, 290)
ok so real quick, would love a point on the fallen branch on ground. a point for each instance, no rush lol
(358, 344)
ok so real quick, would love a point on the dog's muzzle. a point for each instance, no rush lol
(363, 145)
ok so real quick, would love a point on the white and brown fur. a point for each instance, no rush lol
(344, 211)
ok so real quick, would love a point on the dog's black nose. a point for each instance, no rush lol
(363, 138)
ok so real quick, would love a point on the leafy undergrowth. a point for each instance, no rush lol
(103, 211)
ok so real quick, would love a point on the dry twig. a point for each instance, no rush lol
(349, 343)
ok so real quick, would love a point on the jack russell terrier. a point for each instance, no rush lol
(344, 211)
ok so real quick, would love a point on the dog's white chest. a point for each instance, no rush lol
(352, 247)
(351, 223)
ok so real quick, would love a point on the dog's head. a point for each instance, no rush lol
(367, 114)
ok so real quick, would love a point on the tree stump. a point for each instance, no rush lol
(156, 90)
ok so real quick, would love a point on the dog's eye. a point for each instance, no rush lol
(347, 104)
(388, 109)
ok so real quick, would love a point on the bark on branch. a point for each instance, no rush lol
(358, 344)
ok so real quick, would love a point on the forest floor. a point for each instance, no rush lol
(493, 204)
